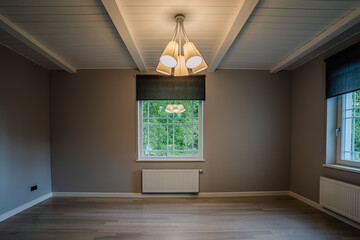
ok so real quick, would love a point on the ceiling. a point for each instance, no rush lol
(230, 34)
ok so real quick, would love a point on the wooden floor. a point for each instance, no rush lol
(275, 218)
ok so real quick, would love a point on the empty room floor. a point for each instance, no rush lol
(80, 218)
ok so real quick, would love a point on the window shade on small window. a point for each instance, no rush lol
(343, 72)
(154, 87)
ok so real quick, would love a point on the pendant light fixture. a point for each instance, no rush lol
(177, 59)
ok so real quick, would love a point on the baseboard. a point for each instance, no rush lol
(306, 200)
(23, 207)
(141, 195)
(319, 207)
(95, 194)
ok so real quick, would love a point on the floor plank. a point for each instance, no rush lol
(264, 218)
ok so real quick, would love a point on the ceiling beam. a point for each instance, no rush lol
(34, 44)
(242, 14)
(339, 27)
(118, 17)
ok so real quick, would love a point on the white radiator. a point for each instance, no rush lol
(170, 180)
(340, 197)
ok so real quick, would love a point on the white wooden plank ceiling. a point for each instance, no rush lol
(79, 31)
(153, 23)
(82, 33)
(279, 27)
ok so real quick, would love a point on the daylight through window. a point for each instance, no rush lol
(350, 127)
(170, 136)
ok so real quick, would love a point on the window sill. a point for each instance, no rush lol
(342, 168)
(170, 160)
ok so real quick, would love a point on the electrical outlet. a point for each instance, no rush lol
(33, 188)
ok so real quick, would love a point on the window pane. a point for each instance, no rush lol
(157, 108)
(145, 139)
(157, 153)
(145, 108)
(183, 120)
(157, 135)
(196, 109)
(157, 121)
(196, 139)
(357, 135)
(348, 135)
(350, 148)
(170, 135)
(357, 111)
(183, 137)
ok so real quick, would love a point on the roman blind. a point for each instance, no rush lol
(343, 72)
(155, 87)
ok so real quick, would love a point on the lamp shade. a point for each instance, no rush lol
(200, 68)
(192, 56)
(162, 69)
(169, 56)
(180, 69)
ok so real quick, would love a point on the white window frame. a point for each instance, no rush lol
(340, 138)
(169, 159)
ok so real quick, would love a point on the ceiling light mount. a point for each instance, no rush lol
(179, 17)
(177, 59)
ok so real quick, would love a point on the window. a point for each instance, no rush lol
(164, 136)
(348, 129)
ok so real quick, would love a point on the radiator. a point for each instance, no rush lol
(170, 180)
(340, 197)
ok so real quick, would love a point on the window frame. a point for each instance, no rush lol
(167, 158)
(339, 138)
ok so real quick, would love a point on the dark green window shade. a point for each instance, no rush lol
(343, 72)
(154, 87)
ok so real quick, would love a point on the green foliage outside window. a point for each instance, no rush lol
(170, 135)
(351, 126)
(357, 126)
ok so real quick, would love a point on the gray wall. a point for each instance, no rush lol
(308, 132)
(247, 123)
(24, 130)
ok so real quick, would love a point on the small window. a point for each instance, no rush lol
(170, 136)
(348, 128)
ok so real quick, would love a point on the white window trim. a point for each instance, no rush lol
(339, 140)
(170, 159)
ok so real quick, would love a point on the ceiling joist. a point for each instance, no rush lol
(242, 14)
(341, 26)
(37, 46)
(118, 17)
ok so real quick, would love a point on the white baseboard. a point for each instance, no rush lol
(95, 194)
(141, 195)
(24, 207)
(319, 207)
(306, 200)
